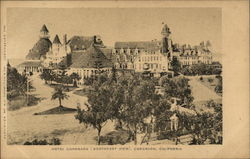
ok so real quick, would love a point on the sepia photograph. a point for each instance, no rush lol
(125, 78)
(75, 77)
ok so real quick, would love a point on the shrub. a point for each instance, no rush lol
(210, 80)
(17, 103)
(115, 137)
(53, 141)
(172, 134)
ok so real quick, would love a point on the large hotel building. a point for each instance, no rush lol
(88, 55)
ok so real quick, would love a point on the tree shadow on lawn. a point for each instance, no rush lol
(82, 92)
(57, 110)
(21, 101)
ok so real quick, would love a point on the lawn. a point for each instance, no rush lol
(210, 82)
(82, 92)
(67, 88)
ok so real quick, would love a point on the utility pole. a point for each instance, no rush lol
(27, 93)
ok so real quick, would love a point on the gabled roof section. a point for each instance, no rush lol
(147, 45)
(80, 42)
(56, 40)
(44, 28)
(92, 58)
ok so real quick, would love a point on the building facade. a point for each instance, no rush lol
(57, 52)
(153, 56)
(90, 63)
(188, 55)
(154, 62)
(33, 66)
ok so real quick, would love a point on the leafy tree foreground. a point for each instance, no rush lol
(129, 100)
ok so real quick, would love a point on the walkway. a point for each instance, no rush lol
(23, 125)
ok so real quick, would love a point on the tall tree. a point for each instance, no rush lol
(138, 104)
(16, 83)
(45, 75)
(99, 107)
(59, 94)
(75, 77)
(176, 65)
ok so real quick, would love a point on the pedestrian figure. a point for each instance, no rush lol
(174, 122)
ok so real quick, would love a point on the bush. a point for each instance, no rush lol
(53, 141)
(218, 89)
(115, 137)
(17, 103)
(172, 134)
(33, 100)
(210, 80)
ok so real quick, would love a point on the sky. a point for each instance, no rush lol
(187, 25)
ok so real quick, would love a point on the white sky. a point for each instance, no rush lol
(188, 25)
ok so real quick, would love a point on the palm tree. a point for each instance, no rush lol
(59, 94)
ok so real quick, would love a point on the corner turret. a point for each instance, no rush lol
(44, 32)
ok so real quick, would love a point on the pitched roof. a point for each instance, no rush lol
(44, 28)
(107, 52)
(30, 63)
(165, 29)
(92, 58)
(147, 45)
(56, 40)
(80, 42)
(39, 49)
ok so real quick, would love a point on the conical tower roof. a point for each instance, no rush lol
(165, 29)
(44, 28)
(56, 40)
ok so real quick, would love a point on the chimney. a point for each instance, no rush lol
(65, 43)
(64, 39)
